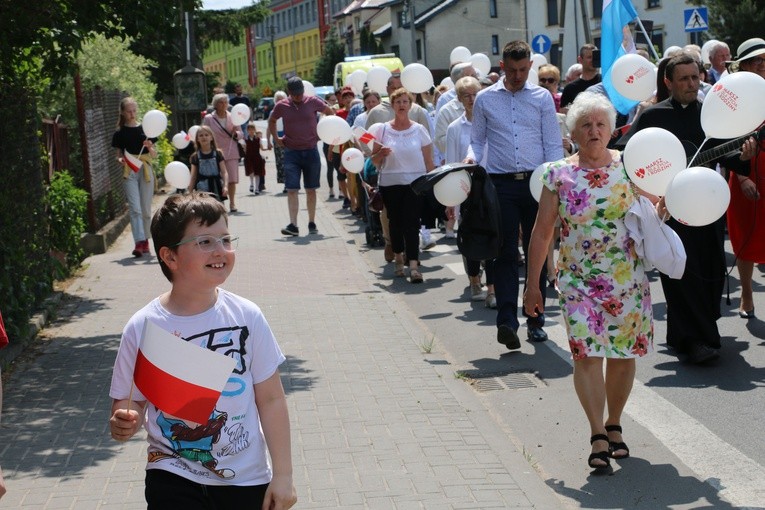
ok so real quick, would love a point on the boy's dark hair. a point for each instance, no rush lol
(516, 50)
(170, 221)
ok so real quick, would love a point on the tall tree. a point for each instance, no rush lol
(735, 21)
(333, 52)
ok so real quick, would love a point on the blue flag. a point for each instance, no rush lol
(617, 14)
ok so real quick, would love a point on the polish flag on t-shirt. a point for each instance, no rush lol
(178, 377)
(133, 162)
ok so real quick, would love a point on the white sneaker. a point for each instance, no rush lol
(450, 234)
(477, 293)
(491, 301)
(426, 239)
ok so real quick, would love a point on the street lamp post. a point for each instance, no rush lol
(272, 29)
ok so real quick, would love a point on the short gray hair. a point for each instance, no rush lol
(587, 103)
(217, 98)
(575, 68)
(279, 95)
(717, 46)
(458, 69)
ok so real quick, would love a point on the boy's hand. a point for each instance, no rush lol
(280, 494)
(124, 424)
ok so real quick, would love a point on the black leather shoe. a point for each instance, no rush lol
(508, 337)
(699, 354)
(536, 334)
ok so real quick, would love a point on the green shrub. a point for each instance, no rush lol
(67, 205)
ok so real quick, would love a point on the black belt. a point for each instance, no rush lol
(516, 176)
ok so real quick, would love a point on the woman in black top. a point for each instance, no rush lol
(134, 152)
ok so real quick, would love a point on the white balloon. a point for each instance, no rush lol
(377, 79)
(652, 158)
(535, 181)
(481, 62)
(177, 174)
(453, 189)
(280, 125)
(533, 77)
(633, 77)
(308, 89)
(697, 196)
(240, 114)
(459, 54)
(353, 160)
(333, 130)
(705, 50)
(734, 106)
(264, 143)
(537, 59)
(181, 140)
(448, 82)
(357, 80)
(154, 123)
(193, 133)
(416, 78)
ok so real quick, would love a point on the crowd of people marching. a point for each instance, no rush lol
(510, 127)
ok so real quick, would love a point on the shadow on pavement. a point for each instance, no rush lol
(632, 485)
(731, 371)
(294, 376)
(60, 397)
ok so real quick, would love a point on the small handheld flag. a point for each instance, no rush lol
(133, 162)
(180, 378)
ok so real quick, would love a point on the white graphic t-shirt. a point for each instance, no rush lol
(230, 448)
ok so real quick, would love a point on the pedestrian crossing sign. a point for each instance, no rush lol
(696, 19)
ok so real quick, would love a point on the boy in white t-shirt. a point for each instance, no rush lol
(224, 462)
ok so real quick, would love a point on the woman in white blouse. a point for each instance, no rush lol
(403, 151)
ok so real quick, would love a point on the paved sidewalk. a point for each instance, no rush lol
(377, 420)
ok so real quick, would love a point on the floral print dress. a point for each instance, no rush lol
(603, 290)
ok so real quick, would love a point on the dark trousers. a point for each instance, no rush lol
(167, 490)
(693, 302)
(403, 207)
(473, 268)
(518, 208)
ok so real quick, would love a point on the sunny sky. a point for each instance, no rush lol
(216, 5)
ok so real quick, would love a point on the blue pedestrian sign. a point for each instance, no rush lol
(696, 19)
(541, 44)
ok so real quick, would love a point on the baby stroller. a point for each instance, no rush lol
(372, 205)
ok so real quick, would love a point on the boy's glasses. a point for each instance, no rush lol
(209, 243)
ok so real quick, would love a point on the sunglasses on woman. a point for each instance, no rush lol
(546, 80)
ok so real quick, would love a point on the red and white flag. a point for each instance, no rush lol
(364, 136)
(133, 162)
(180, 378)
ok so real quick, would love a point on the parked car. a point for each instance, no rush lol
(263, 110)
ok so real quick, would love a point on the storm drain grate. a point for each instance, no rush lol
(494, 381)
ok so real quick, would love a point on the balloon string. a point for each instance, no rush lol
(697, 153)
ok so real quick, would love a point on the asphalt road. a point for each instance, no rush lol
(695, 431)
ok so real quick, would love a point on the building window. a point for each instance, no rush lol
(493, 8)
(555, 54)
(597, 9)
(552, 12)
(495, 44)
(419, 49)
(653, 4)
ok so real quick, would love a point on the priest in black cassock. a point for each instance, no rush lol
(693, 302)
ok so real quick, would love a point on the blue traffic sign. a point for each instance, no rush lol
(541, 44)
(696, 19)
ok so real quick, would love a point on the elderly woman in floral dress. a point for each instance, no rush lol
(603, 289)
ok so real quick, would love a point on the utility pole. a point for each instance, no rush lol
(272, 29)
(412, 30)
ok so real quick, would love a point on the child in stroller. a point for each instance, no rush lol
(372, 205)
